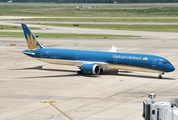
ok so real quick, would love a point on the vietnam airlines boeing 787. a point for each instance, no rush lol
(93, 62)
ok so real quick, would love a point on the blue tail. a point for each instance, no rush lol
(30, 38)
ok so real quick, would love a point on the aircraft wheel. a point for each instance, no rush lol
(101, 70)
(40, 67)
(160, 77)
(79, 72)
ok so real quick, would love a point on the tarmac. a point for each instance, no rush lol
(111, 95)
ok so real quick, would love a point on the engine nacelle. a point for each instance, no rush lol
(90, 69)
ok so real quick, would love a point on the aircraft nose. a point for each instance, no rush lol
(172, 68)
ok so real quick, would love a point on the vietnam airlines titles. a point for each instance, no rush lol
(93, 62)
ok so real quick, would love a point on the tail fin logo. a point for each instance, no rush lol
(32, 43)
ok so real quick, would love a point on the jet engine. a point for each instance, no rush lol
(90, 69)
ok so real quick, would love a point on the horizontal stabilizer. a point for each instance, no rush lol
(29, 53)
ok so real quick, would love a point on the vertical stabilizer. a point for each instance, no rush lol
(31, 40)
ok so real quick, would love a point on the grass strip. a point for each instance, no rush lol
(7, 27)
(72, 36)
(103, 10)
(147, 20)
(157, 28)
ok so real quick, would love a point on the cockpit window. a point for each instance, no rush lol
(166, 63)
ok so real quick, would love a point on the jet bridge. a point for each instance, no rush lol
(153, 110)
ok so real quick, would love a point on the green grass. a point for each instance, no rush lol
(6, 27)
(159, 28)
(173, 20)
(103, 10)
(72, 36)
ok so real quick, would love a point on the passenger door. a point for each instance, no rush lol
(115, 60)
(154, 62)
(76, 56)
(41, 54)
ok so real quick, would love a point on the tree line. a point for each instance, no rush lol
(96, 1)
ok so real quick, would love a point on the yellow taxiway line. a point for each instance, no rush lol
(50, 102)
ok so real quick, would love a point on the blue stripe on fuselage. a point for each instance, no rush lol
(135, 60)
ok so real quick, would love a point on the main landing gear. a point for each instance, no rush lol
(40, 67)
(79, 72)
(160, 75)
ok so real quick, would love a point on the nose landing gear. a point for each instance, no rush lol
(160, 75)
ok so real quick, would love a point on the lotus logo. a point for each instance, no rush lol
(32, 43)
(145, 58)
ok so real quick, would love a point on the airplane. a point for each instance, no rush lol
(94, 62)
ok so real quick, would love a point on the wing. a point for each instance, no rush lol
(73, 62)
(113, 49)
